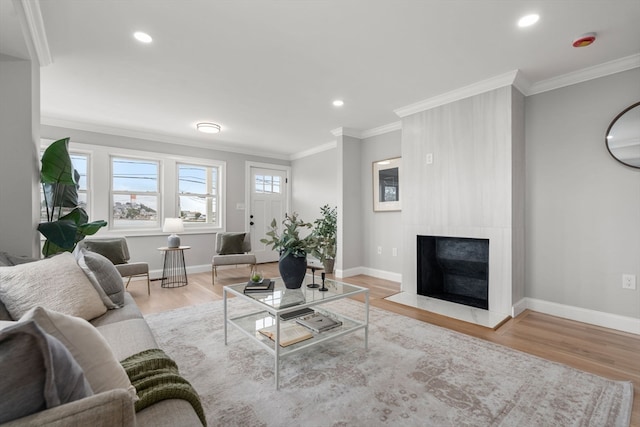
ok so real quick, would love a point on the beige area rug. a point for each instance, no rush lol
(414, 374)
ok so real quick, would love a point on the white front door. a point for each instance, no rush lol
(268, 189)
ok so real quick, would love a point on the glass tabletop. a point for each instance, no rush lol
(281, 297)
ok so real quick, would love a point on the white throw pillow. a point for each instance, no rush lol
(57, 283)
(88, 347)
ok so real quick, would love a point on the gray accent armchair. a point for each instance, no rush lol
(117, 251)
(232, 259)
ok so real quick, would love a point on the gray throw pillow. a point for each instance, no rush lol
(111, 249)
(37, 372)
(232, 244)
(104, 276)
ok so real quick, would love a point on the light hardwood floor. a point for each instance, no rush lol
(605, 352)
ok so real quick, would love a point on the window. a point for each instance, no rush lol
(198, 194)
(135, 193)
(80, 164)
(268, 184)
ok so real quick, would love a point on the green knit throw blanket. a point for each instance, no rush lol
(155, 377)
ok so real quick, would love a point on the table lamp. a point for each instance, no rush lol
(173, 226)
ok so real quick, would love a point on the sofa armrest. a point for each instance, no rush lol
(110, 408)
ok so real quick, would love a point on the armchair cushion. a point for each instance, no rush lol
(37, 371)
(112, 249)
(232, 243)
(104, 276)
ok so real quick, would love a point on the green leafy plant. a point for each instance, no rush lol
(289, 241)
(325, 234)
(67, 223)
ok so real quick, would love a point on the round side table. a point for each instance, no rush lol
(174, 273)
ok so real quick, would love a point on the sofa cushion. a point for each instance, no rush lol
(104, 277)
(128, 337)
(37, 371)
(231, 244)
(88, 347)
(57, 283)
(110, 248)
(129, 311)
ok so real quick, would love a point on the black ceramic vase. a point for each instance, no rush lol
(292, 270)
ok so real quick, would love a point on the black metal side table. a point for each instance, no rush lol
(174, 273)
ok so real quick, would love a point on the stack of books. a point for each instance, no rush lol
(265, 285)
(290, 333)
(318, 322)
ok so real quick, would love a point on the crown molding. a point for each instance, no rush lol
(590, 73)
(380, 130)
(159, 137)
(354, 133)
(30, 17)
(315, 150)
(483, 86)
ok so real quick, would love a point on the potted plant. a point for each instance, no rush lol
(325, 235)
(293, 248)
(66, 223)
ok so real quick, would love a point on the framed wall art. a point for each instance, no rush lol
(386, 185)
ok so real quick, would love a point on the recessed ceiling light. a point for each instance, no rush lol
(528, 20)
(142, 37)
(208, 127)
(338, 103)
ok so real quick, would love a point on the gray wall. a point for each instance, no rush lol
(382, 228)
(19, 142)
(314, 183)
(582, 206)
(350, 228)
(145, 247)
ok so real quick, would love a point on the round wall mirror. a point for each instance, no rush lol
(623, 136)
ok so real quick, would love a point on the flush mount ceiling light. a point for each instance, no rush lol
(584, 40)
(528, 20)
(208, 127)
(338, 103)
(142, 37)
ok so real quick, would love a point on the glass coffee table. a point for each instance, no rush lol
(269, 308)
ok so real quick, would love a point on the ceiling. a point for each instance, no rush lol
(267, 71)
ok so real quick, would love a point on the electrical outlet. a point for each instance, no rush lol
(429, 158)
(394, 252)
(379, 250)
(629, 281)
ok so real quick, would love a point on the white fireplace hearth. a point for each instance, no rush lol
(478, 316)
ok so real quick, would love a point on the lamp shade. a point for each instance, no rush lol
(173, 225)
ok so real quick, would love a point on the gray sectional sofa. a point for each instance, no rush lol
(126, 333)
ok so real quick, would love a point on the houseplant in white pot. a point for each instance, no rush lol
(325, 236)
(293, 249)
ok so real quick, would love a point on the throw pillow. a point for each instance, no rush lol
(232, 244)
(37, 372)
(57, 283)
(104, 276)
(88, 347)
(109, 248)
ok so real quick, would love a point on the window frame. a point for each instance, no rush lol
(158, 193)
(219, 196)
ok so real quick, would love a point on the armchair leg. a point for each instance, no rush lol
(214, 273)
(127, 285)
(148, 285)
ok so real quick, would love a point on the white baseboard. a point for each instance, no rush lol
(593, 317)
(380, 274)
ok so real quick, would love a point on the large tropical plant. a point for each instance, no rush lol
(67, 223)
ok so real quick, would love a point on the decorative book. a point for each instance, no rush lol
(290, 333)
(265, 285)
(318, 322)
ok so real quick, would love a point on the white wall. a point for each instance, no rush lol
(19, 142)
(144, 247)
(582, 206)
(382, 229)
(314, 183)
